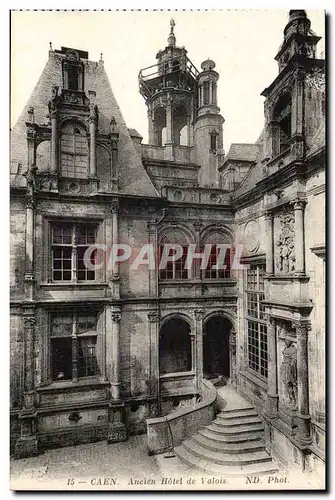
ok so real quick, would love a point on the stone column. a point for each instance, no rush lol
(303, 417)
(151, 130)
(152, 240)
(93, 169)
(269, 242)
(115, 281)
(169, 124)
(232, 355)
(299, 250)
(210, 92)
(54, 142)
(272, 409)
(153, 319)
(115, 382)
(189, 131)
(196, 271)
(198, 314)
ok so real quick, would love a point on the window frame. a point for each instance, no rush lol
(254, 294)
(74, 152)
(49, 261)
(75, 339)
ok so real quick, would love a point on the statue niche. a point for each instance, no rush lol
(288, 373)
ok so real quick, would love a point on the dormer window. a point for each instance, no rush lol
(72, 78)
(73, 75)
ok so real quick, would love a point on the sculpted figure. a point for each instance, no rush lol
(288, 371)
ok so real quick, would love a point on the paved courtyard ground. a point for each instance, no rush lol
(86, 466)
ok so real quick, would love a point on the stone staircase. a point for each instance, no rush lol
(232, 445)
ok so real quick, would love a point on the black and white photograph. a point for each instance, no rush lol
(167, 250)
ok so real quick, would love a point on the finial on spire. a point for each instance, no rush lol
(172, 38)
(101, 57)
(50, 45)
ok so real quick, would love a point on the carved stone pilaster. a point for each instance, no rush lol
(303, 416)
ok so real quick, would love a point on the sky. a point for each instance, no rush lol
(242, 43)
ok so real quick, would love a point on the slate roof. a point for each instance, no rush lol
(242, 152)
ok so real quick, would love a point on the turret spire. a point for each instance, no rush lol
(171, 37)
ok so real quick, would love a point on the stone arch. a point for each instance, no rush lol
(174, 269)
(216, 236)
(217, 354)
(175, 345)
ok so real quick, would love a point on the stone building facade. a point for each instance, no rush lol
(96, 352)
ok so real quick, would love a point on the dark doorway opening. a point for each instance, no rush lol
(216, 360)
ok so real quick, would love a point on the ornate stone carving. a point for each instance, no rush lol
(288, 373)
(198, 226)
(30, 176)
(115, 206)
(29, 322)
(153, 316)
(116, 316)
(285, 258)
(54, 101)
(198, 314)
(251, 234)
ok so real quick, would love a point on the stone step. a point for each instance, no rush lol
(238, 420)
(237, 428)
(228, 447)
(225, 459)
(242, 409)
(216, 434)
(192, 460)
(237, 413)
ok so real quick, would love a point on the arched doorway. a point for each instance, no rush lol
(175, 347)
(216, 359)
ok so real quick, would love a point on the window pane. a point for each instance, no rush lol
(86, 323)
(61, 325)
(61, 358)
(87, 362)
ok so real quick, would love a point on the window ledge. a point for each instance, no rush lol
(68, 385)
(207, 281)
(255, 379)
(64, 284)
(175, 375)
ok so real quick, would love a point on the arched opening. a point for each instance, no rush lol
(175, 65)
(216, 361)
(221, 256)
(175, 349)
(160, 126)
(282, 116)
(173, 269)
(184, 136)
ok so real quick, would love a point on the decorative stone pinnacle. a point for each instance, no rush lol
(50, 45)
(101, 57)
(172, 38)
